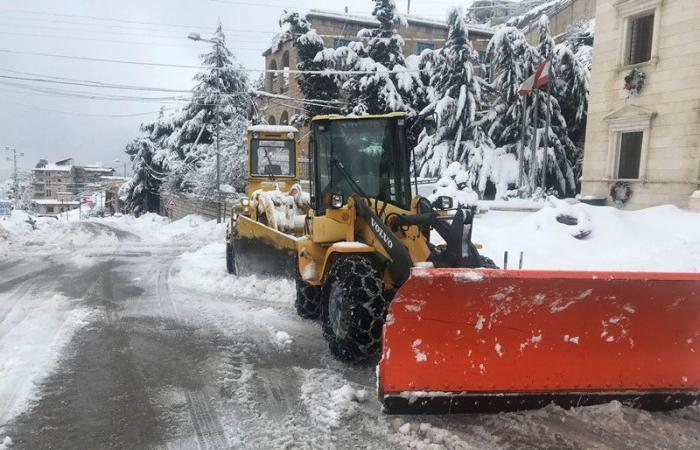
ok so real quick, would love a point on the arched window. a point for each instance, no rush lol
(271, 80)
(271, 120)
(284, 79)
(284, 118)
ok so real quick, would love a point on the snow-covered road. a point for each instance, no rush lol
(125, 333)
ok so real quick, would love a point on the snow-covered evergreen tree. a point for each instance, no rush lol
(322, 90)
(512, 62)
(563, 154)
(140, 193)
(389, 85)
(177, 152)
(456, 98)
(222, 87)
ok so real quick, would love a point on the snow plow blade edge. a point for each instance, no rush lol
(261, 250)
(475, 341)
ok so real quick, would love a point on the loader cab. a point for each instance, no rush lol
(272, 157)
(372, 150)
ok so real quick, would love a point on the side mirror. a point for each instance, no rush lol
(430, 124)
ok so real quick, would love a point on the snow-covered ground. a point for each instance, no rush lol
(139, 318)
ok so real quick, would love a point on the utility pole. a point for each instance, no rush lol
(15, 179)
(218, 121)
(408, 8)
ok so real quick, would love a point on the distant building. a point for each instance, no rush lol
(56, 186)
(645, 146)
(562, 16)
(338, 29)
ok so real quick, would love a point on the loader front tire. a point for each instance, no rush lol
(353, 309)
(308, 301)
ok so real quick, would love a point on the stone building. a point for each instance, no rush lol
(562, 16)
(56, 185)
(645, 146)
(338, 29)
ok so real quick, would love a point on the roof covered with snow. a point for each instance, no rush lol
(52, 168)
(371, 21)
(98, 169)
(53, 201)
(272, 129)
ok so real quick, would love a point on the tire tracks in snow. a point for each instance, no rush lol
(205, 421)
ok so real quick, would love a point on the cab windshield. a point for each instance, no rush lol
(272, 158)
(373, 152)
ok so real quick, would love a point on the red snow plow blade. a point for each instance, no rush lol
(474, 341)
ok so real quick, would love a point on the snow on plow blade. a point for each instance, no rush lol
(474, 341)
(261, 250)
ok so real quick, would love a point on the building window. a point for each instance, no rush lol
(48, 192)
(59, 180)
(341, 43)
(284, 119)
(630, 155)
(422, 46)
(640, 39)
(49, 209)
(271, 120)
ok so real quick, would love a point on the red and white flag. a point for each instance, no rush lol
(537, 80)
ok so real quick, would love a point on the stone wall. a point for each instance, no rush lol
(176, 207)
(667, 110)
(567, 13)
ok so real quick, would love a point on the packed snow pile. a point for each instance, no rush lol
(329, 398)
(193, 229)
(583, 237)
(455, 185)
(205, 269)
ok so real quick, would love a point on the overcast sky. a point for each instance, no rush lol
(48, 124)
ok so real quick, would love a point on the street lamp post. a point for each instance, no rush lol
(217, 109)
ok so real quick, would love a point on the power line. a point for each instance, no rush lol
(272, 71)
(70, 113)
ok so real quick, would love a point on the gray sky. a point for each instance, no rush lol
(53, 126)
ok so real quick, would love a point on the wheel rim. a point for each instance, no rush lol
(335, 312)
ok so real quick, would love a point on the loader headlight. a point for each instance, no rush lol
(444, 202)
(334, 201)
(245, 202)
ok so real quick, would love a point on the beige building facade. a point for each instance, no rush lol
(647, 144)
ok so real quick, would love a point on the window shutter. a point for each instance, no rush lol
(641, 38)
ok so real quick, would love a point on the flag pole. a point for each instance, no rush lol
(532, 180)
(521, 149)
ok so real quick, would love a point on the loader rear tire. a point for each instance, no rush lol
(353, 309)
(308, 300)
(230, 262)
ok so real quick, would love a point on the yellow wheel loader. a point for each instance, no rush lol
(456, 334)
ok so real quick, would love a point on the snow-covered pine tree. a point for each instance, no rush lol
(140, 193)
(512, 62)
(563, 154)
(322, 89)
(223, 85)
(389, 86)
(455, 96)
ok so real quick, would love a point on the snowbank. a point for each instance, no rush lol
(329, 398)
(205, 270)
(663, 238)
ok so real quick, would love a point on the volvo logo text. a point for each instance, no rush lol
(382, 234)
